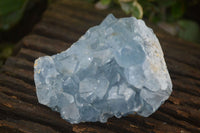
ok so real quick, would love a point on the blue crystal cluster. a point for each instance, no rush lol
(117, 68)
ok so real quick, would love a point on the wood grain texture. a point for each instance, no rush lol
(61, 25)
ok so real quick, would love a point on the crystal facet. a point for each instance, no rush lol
(117, 68)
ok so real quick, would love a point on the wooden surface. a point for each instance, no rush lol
(61, 25)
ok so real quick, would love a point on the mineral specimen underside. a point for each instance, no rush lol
(116, 68)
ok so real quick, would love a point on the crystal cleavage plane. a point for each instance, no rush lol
(117, 68)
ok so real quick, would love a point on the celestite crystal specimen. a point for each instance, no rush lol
(117, 68)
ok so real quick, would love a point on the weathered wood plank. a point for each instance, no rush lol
(183, 113)
(19, 62)
(43, 44)
(62, 24)
(22, 126)
(170, 120)
(186, 84)
(26, 76)
(29, 54)
(17, 84)
(37, 113)
(19, 95)
(181, 98)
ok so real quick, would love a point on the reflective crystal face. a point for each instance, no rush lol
(116, 68)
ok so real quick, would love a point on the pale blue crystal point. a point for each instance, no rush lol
(116, 68)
